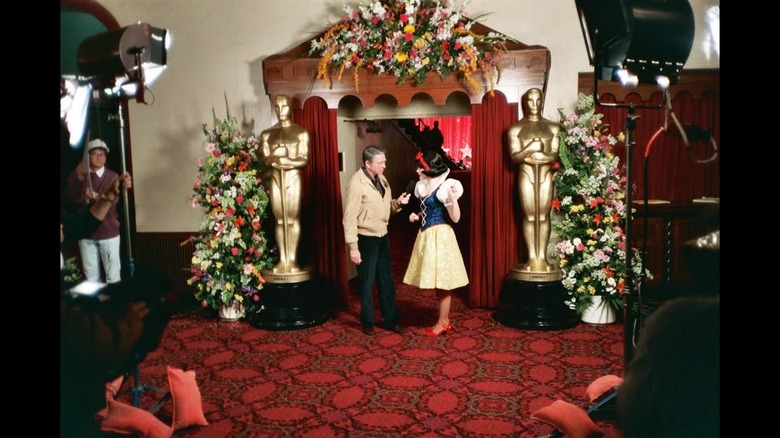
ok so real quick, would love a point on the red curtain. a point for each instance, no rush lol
(457, 136)
(321, 211)
(674, 172)
(494, 240)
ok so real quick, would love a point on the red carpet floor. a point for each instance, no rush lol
(480, 379)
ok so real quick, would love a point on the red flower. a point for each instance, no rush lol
(556, 204)
(597, 219)
(239, 199)
(594, 203)
(234, 251)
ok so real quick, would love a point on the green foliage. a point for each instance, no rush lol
(231, 247)
(590, 193)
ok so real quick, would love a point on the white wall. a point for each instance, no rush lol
(218, 49)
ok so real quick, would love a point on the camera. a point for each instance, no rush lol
(110, 302)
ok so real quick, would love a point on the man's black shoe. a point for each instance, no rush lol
(397, 329)
(368, 330)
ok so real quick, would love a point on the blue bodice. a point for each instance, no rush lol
(431, 211)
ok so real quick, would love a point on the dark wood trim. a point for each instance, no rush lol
(293, 73)
(694, 81)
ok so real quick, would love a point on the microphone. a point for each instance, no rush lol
(410, 186)
(411, 206)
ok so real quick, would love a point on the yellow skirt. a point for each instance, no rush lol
(436, 261)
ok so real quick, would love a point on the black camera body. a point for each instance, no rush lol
(110, 302)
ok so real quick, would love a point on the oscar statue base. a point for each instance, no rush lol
(292, 306)
(534, 305)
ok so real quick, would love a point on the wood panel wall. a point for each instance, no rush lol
(170, 253)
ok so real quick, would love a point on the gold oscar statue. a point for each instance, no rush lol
(285, 149)
(533, 144)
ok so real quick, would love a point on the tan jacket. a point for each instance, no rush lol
(365, 211)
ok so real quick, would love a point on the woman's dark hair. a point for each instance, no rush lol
(435, 163)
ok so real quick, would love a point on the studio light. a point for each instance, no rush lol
(635, 42)
(651, 39)
(125, 61)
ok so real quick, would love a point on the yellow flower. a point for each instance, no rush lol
(400, 57)
(409, 28)
(219, 265)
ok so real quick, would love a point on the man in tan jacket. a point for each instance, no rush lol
(367, 211)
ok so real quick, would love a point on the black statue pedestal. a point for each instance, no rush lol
(534, 305)
(292, 305)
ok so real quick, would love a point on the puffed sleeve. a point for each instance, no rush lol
(446, 195)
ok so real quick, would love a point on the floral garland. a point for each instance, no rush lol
(408, 39)
(230, 249)
(590, 192)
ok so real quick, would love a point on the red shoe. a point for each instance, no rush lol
(433, 332)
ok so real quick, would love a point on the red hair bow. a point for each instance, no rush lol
(419, 157)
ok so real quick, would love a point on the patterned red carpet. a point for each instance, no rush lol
(480, 379)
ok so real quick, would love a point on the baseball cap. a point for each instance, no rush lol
(96, 143)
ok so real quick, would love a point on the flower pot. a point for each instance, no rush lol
(599, 311)
(231, 313)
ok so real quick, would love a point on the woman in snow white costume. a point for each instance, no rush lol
(436, 261)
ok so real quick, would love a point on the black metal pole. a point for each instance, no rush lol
(125, 196)
(628, 296)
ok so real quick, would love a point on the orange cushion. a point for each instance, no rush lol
(125, 419)
(572, 420)
(601, 386)
(112, 389)
(187, 405)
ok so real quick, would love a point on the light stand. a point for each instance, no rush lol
(635, 41)
(120, 119)
(124, 62)
(631, 324)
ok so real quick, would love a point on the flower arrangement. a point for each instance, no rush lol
(590, 192)
(230, 248)
(408, 39)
